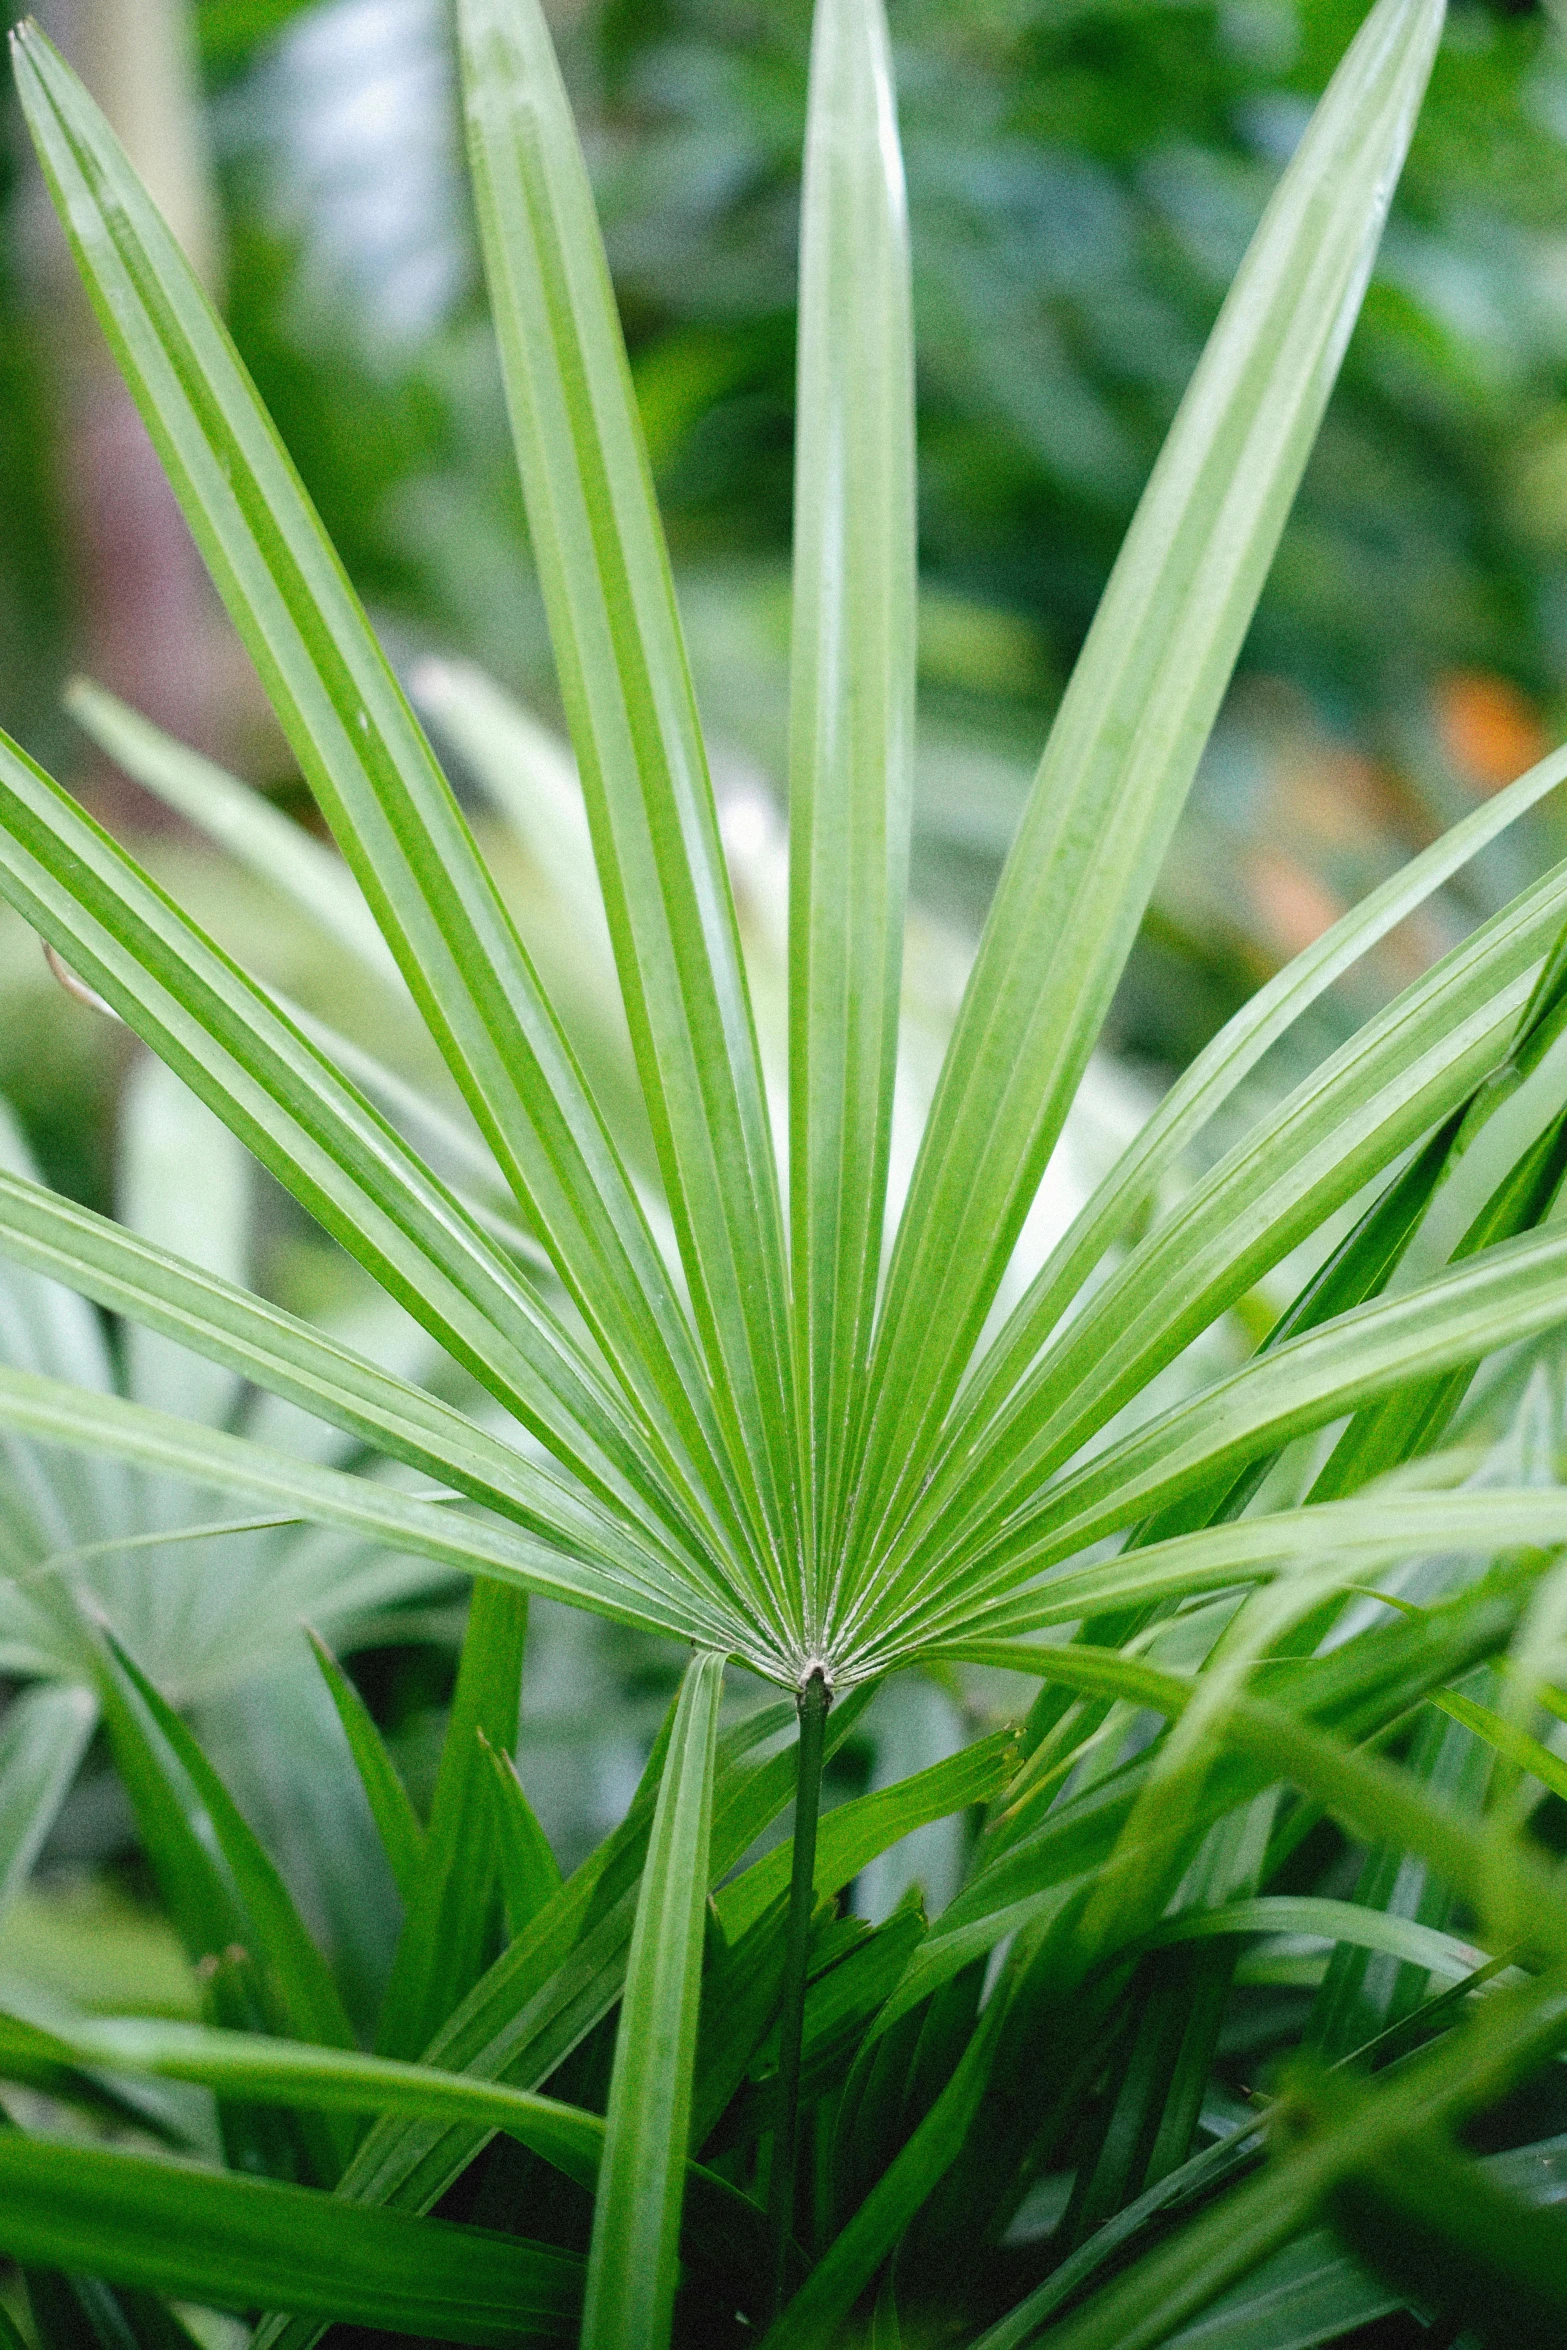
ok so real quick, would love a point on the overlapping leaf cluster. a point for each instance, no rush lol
(805, 1437)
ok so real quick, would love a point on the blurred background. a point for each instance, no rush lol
(1083, 178)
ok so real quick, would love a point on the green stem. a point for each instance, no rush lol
(813, 1702)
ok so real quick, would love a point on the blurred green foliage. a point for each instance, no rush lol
(1082, 180)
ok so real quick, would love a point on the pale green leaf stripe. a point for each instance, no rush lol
(332, 2080)
(1211, 1079)
(1326, 1921)
(1404, 1071)
(276, 1351)
(324, 889)
(851, 720)
(1128, 735)
(259, 836)
(1365, 1534)
(632, 2262)
(1514, 1290)
(362, 750)
(282, 1097)
(231, 2242)
(456, 1153)
(622, 666)
(51, 1412)
(1509, 1740)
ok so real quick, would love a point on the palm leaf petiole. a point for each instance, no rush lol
(813, 1701)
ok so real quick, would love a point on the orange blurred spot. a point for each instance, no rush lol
(1490, 730)
(1295, 906)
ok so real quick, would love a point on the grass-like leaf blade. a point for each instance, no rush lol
(53, 1412)
(1128, 735)
(1203, 1088)
(441, 1950)
(851, 718)
(619, 652)
(636, 2216)
(397, 1823)
(529, 1871)
(232, 2243)
(363, 751)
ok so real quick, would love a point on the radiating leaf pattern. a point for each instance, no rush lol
(745, 1404)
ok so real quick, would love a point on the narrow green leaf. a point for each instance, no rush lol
(852, 1835)
(1333, 1921)
(812, 2318)
(261, 1343)
(1376, 1530)
(199, 2235)
(1505, 2039)
(1131, 728)
(886, 2333)
(1508, 1740)
(284, 1099)
(1415, 1064)
(636, 2216)
(454, 1150)
(364, 754)
(333, 2080)
(1364, 1997)
(200, 1901)
(52, 1412)
(441, 1952)
(1436, 2226)
(275, 1941)
(851, 719)
(1211, 1079)
(564, 1975)
(259, 836)
(839, 2006)
(1515, 1290)
(724, 2224)
(1357, 1690)
(211, 1921)
(530, 1873)
(397, 1823)
(310, 1996)
(604, 571)
(1308, 2292)
(346, 2080)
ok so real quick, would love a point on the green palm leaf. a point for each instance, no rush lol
(361, 747)
(851, 723)
(1127, 738)
(636, 2215)
(619, 652)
